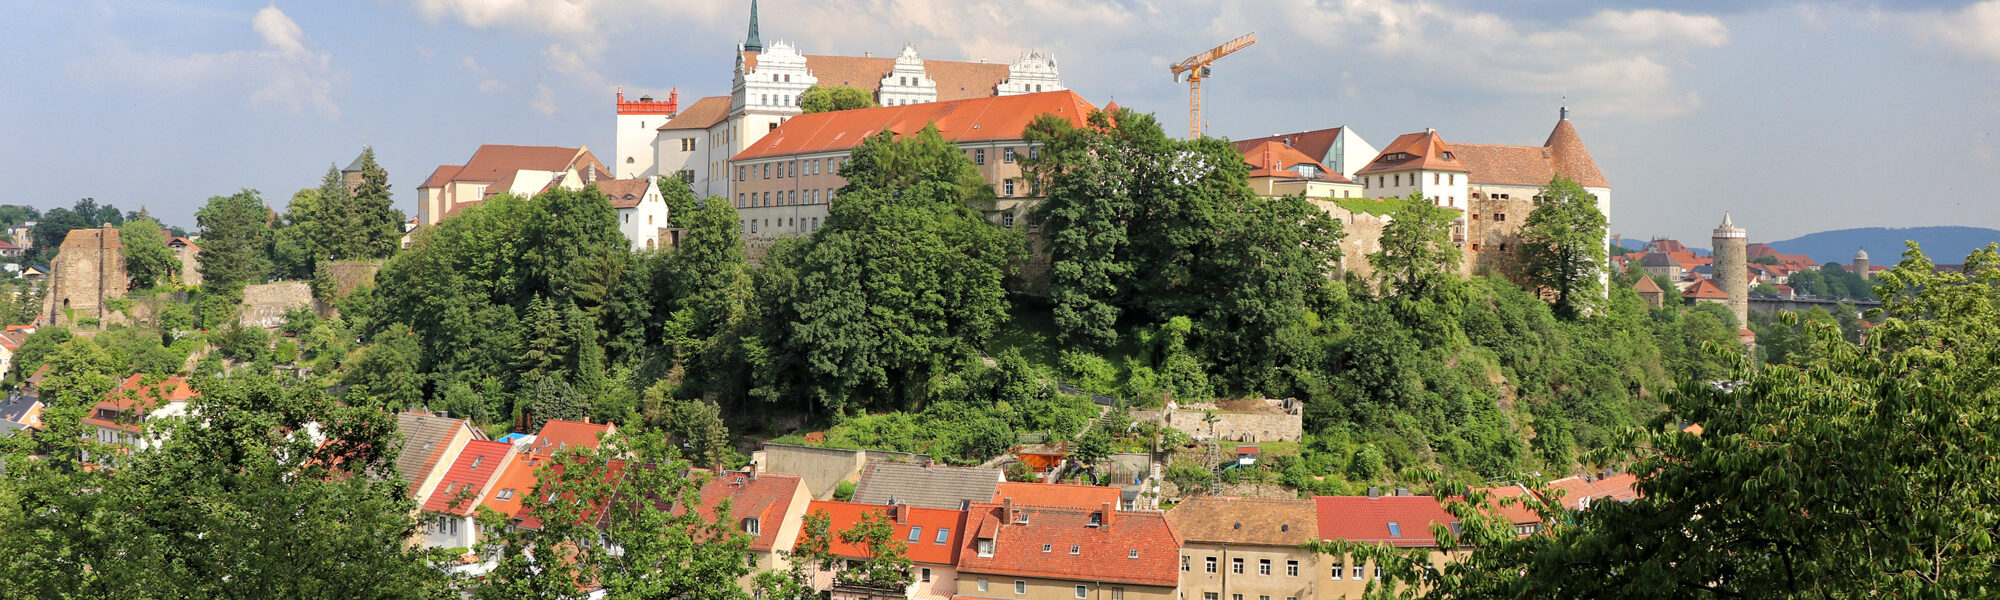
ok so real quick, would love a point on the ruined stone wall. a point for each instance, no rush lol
(1493, 235)
(1273, 421)
(265, 305)
(89, 268)
(190, 264)
(1363, 237)
(349, 275)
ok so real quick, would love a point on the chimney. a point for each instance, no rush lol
(1374, 492)
(586, 420)
(719, 470)
(1006, 510)
(902, 516)
(1105, 507)
(751, 470)
(1402, 492)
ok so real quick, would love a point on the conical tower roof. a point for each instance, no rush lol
(1571, 157)
(753, 42)
(1860, 254)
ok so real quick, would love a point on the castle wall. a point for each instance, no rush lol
(1273, 422)
(265, 305)
(349, 275)
(88, 270)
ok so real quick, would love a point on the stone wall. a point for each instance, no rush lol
(349, 275)
(824, 468)
(188, 257)
(1363, 237)
(1493, 235)
(265, 305)
(1269, 420)
(88, 270)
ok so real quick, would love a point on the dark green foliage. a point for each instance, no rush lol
(56, 224)
(235, 231)
(1562, 245)
(1417, 257)
(242, 344)
(555, 399)
(34, 352)
(148, 260)
(818, 99)
(1832, 280)
(371, 226)
(386, 374)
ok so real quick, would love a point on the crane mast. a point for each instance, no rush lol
(1196, 69)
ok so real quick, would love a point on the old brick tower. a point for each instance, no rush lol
(89, 269)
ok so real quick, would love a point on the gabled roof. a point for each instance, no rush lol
(1578, 491)
(980, 119)
(1124, 547)
(492, 161)
(1425, 150)
(1256, 521)
(515, 482)
(13, 338)
(1403, 521)
(558, 434)
(927, 548)
(614, 472)
(933, 486)
(1056, 494)
(476, 466)
(703, 114)
(1646, 286)
(764, 496)
(1313, 143)
(17, 407)
(955, 80)
(134, 392)
(1704, 289)
(443, 175)
(1514, 511)
(181, 241)
(422, 440)
(624, 193)
(1275, 159)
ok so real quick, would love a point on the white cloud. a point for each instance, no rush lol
(283, 74)
(545, 100)
(1973, 31)
(472, 64)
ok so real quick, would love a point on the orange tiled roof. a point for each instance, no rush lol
(703, 114)
(1571, 158)
(515, 481)
(1704, 289)
(938, 532)
(133, 392)
(624, 193)
(1125, 547)
(955, 80)
(1254, 521)
(1514, 511)
(1313, 143)
(476, 466)
(1056, 494)
(765, 497)
(1576, 490)
(980, 119)
(1646, 286)
(1410, 151)
(1403, 521)
(443, 175)
(1275, 159)
(492, 161)
(558, 434)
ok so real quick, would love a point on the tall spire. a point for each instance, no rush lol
(753, 43)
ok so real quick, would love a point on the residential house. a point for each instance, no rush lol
(784, 183)
(22, 408)
(1019, 552)
(121, 418)
(1056, 494)
(926, 485)
(770, 507)
(1280, 170)
(642, 210)
(1704, 290)
(500, 169)
(10, 342)
(1650, 292)
(1401, 521)
(931, 539)
(1419, 163)
(425, 442)
(449, 513)
(1339, 149)
(9, 250)
(1248, 548)
(1512, 503)
(558, 434)
(1579, 492)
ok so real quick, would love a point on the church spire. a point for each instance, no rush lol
(753, 43)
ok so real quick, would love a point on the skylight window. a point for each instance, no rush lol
(1395, 530)
(506, 494)
(1133, 554)
(1047, 548)
(1075, 550)
(943, 532)
(916, 533)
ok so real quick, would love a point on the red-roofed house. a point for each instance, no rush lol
(768, 506)
(1420, 163)
(642, 210)
(496, 169)
(1056, 494)
(558, 434)
(1704, 290)
(1400, 521)
(1339, 148)
(784, 182)
(1580, 491)
(932, 538)
(1280, 170)
(122, 416)
(449, 511)
(1060, 553)
(1509, 502)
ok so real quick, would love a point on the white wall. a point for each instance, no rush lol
(635, 156)
(641, 224)
(1449, 191)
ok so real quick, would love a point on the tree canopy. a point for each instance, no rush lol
(818, 98)
(1562, 246)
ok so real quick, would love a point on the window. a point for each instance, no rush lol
(1185, 559)
(1046, 548)
(740, 174)
(1236, 566)
(916, 533)
(1434, 179)
(774, 127)
(628, 219)
(751, 526)
(982, 585)
(1499, 216)
(1007, 156)
(1263, 566)
(1378, 572)
(979, 156)
(926, 575)
(628, 160)
(1451, 179)
(1008, 187)
(1034, 152)
(1210, 596)
(767, 171)
(1263, 597)
(506, 494)
(1337, 568)
(1134, 553)
(739, 201)
(750, 560)
(1020, 587)
(1208, 564)
(1291, 568)
(1235, 597)
(1082, 591)
(1357, 572)
(1395, 530)
(1075, 550)
(1117, 593)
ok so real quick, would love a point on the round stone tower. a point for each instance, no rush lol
(1861, 263)
(1731, 274)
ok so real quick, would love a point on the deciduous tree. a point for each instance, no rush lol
(148, 260)
(818, 99)
(235, 231)
(1562, 246)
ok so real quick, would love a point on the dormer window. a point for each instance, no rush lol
(1046, 548)
(1021, 517)
(1135, 554)
(985, 548)
(752, 526)
(1096, 519)
(1075, 550)
(1395, 530)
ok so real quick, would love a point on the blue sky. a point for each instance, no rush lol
(1796, 117)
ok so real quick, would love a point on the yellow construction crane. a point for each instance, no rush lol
(1196, 69)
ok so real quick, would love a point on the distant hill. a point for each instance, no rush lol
(1944, 245)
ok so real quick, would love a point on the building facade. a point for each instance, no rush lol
(1020, 552)
(1247, 548)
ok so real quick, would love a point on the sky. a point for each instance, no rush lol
(1794, 117)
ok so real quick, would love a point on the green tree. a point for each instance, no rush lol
(148, 260)
(563, 228)
(1562, 245)
(372, 226)
(235, 231)
(694, 425)
(818, 99)
(627, 494)
(886, 566)
(1089, 200)
(387, 371)
(1417, 255)
(56, 224)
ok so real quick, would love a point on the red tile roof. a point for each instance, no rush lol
(133, 392)
(980, 119)
(624, 193)
(558, 434)
(1275, 159)
(1313, 143)
(493, 161)
(765, 497)
(443, 175)
(516, 480)
(1056, 494)
(1425, 150)
(1127, 547)
(1647, 286)
(703, 114)
(1365, 519)
(927, 549)
(1578, 491)
(476, 465)
(1515, 512)
(1571, 158)
(955, 80)
(613, 471)
(1704, 289)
